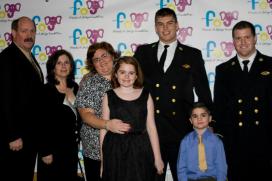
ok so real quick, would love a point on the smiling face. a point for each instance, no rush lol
(200, 118)
(244, 42)
(25, 34)
(103, 63)
(126, 75)
(63, 67)
(166, 27)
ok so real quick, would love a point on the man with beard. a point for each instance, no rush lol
(21, 100)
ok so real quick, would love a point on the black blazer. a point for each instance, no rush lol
(20, 96)
(172, 91)
(243, 107)
(63, 123)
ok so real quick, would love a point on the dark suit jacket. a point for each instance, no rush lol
(20, 96)
(243, 107)
(60, 119)
(172, 91)
(63, 139)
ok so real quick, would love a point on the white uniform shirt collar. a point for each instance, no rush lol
(170, 53)
(251, 59)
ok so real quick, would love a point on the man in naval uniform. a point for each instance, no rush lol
(243, 107)
(172, 73)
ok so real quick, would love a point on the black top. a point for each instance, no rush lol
(128, 156)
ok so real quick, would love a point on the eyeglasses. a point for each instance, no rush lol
(103, 56)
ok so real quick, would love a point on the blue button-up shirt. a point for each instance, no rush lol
(187, 165)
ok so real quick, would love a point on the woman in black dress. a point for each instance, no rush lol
(135, 155)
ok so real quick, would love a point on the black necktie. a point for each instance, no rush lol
(163, 56)
(245, 69)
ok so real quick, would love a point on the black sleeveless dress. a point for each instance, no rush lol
(128, 157)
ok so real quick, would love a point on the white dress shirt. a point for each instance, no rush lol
(251, 59)
(170, 53)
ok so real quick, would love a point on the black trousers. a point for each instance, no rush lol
(18, 165)
(169, 155)
(203, 179)
(92, 169)
(63, 167)
(244, 170)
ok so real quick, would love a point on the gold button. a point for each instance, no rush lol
(240, 112)
(174, 87)
(158, 111)
(240, 101)
(256, 111)
(240, 124)
(157, 85)
(157, 98)
(173, 100)
(173, 113)
(256, 98)
(257, 122)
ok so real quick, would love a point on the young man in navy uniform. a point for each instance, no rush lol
(243, 107)
(172, 81)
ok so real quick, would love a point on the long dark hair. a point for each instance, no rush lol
(51, 64)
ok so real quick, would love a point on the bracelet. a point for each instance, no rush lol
(106, 125)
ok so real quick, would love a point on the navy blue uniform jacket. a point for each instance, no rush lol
(172, 91)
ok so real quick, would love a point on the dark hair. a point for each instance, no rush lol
(93, 48)
(242, 25)
(15, 23)
(199, 105)
(165, 12)
(51, 64)
(127, 60)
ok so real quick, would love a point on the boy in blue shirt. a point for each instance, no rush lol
(201, 154)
